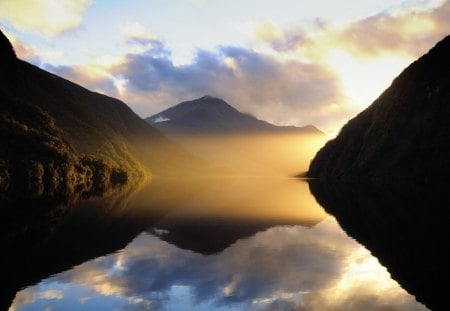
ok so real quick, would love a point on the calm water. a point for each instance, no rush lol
(232, 244)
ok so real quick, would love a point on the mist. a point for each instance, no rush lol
(254, 154)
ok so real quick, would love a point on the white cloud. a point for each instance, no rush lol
(49, 17)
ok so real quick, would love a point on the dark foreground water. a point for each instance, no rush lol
(203, 244)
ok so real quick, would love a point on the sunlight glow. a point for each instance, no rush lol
(418, 25)
(363, 80)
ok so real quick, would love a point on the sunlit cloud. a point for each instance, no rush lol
(140, 38)
(34, 294)
(49, 17)
(92, 76)
(375, 49)
(409, 32)
(268, 31)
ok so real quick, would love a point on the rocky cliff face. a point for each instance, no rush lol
(403, 135)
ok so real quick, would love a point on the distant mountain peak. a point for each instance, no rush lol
(206, 101)
(210, 97)
(213, 115)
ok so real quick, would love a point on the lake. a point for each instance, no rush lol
(238, 243)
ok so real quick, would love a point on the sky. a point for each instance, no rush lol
(290, 62)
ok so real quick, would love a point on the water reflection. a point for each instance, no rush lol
(236, 208)
(52, 234)
(282, 268)
(44, 237)
(404, 225)
(234, 244)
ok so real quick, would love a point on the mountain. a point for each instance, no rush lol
(212, 236)
(404, 135)
(56, 134)
(210, 115)
(238, 143)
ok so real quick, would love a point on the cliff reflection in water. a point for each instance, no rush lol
(404, 226)
(51, 233)
(222, 244)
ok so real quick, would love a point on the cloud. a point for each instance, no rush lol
(91, 76)
(136, 34)
(356, 301)
(49, 17)
(288, 92)
(379, 46)
(412, 32)
(33, 295)
(409, 31)
(283, 268)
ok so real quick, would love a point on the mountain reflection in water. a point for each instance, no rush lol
(235, 244)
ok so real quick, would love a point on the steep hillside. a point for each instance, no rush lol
(403, 135)
(210, 115)
(54, 132)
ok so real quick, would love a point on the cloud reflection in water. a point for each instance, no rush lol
(282, 268)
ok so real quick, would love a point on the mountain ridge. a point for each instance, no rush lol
(212, 115)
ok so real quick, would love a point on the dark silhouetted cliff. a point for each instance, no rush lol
(403, 135)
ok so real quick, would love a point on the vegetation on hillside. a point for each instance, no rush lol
(37, 153)
(34, 156)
